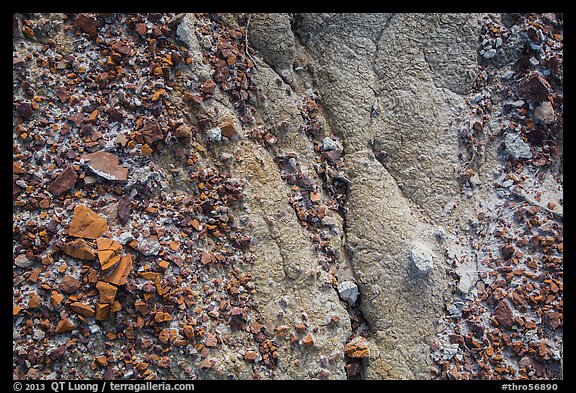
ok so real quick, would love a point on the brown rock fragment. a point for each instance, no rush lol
(86, 23)
(82, 309)
(63, 182)
(124, 209)
(109, 252)
(308, 341)
(228, 130)
(34, 301)
(184, 131)
(504, 315)
(65, 325)
(152, 132)
(357, 348)
(107, 292)
(86, 223)
(206, 363)
(69, 284)
(24, 109)
(534, 87)
(101, 311)
(79, 249)
(106, 165)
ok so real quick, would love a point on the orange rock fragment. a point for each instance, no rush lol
(16, 309)
(34, 301)
(357, 348)
(80, 249)
(107, 292)
(146, 150)
(119, 276)
(195, 224)
(82, 309)
(101, 360)
(109, 252)
(163, 264)
(162, 317)
(115, 306)
(159, 93)
(206, 363)
(86, 223)
(227, 129)
(65, 325)
(250, 355)
(308, 341)
(174, 245)
(101, 312)
(56, 299)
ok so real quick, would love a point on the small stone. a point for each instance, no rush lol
(422, 258)
(15, 310)
(227, 129)
(308, 341)
(101, 360)
(34, 301)
(25, 109)
(516, 147)
(106, 165)
(357, 348)
(490, 53)
(214, 134)
(82, 309)
(146, 150)
(124, 209)
(69, 284)
(64, 182)
(57, 353)
(329, 221)
(79, 249)
(106, 291)
(151, 132)
(503, 314)
(56, 299)
(23, 261)
(86, 223)
(545, 112)
(65, 325)
(141, 29)
(119, 276)
(348, 291)
(86, 23)
(534, 87)
(184, 131)
(101, 311)
(109, 252)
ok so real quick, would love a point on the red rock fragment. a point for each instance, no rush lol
(109, 252)
(184, 131)
(63, 94)
(208, 87)
(124, 209)
(101, 311)
(57, 353)
(106, 291)
(206, 363)
(82, 309)
(106, 165)
(504, 315)
(206, 258)
(151, 132)
(119, 276)
(86, 23)
(123, 48)
(86, 223)
(141, 29)
(69, 284)
(79, 249)
(77, 118)
(357, 348)
(63, 182)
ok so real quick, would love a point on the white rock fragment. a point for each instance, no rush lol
(125, 238)
(422, 257)
(516, 147)
(329, 144)
(23, 261)
(348, 291)
(545, 112)
(468, 274)
(214, 134)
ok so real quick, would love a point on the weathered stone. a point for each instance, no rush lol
(504, 314)
(82, 309)
(357, 348)
(516, 147)
(545, 112)
(64, 182)
(119, 275)
(107, 292)
(65, 325)
(69, 284)
(86, 23)
(106, 165)
(124, 209)
(86, 223)
(79, 249)
(227, 129)
(534, 87)
(24, 109)
(151, 132)
(422, 257)
(23, 261)
(101, 311)
(109, 252)
(348, 291)
(184, 131)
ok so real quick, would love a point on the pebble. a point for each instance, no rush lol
(516, 147)
(214, 134)
(23, 261)
(489, 53)
(422, 257)
(348, 291)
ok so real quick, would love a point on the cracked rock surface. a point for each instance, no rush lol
(287, 196)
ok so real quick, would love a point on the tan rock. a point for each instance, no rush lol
(80, 249)
(109, 252)
(56, 299)
(107, 292)
(106, 165)
(308, 341)
(34, 301)
(65, 325)
(86, 223)
(228, 129)
(82, 309)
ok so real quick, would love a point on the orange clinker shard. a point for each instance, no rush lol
(119, 275)
(86, 223)
(109, 252)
